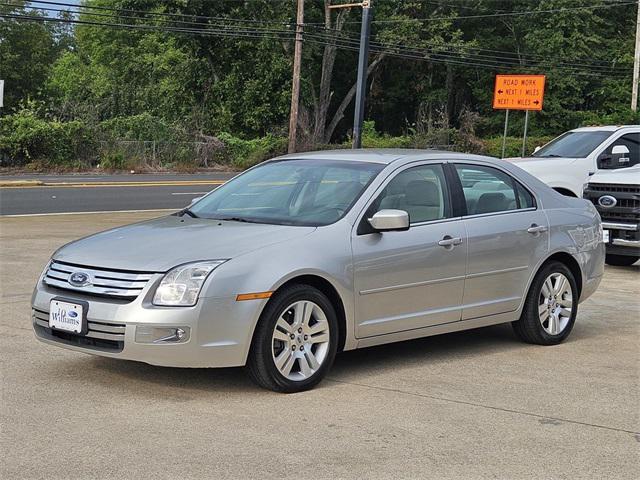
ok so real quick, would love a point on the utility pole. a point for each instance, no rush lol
(295, 90)
(636, 66)
(363, 64)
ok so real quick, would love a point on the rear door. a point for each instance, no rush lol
(507, 235)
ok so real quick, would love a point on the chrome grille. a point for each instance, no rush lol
(110, 283)
(613, 188)
(113, 332)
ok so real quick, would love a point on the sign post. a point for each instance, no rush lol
(524, 137)
(504, 135)
(518, 92)
(1, 93)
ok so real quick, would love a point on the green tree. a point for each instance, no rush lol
(27, 51)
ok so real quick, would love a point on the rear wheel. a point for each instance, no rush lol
(550, 308)
(620, 260)
(295, 341)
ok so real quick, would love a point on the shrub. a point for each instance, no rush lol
(513, 148)
(113, 161)
(144, 127)
(25, 138)
(240, 153)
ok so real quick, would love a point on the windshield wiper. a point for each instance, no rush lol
(237, 219)
(549, 155)
(187, 211)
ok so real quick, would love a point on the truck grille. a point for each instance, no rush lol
(99, 281)
(103, 335)
(610, 188)
(627, 207)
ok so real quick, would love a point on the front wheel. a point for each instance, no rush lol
(295, 341)
(550, 308)
(620, 260)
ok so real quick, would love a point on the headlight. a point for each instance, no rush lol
(181, 285)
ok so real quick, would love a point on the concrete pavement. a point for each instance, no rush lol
(475, 404)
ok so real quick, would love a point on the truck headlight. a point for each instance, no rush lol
(181, 285)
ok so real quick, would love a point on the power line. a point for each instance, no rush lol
(502, 14)
(109, 16)
(156, 14)
(402, 52)
(519, 57)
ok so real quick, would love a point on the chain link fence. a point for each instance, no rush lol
(119, 154)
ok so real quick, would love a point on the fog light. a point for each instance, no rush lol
(151, 334)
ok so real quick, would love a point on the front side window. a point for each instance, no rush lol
(290, 192)
(573, 145)
(420, 191)
(489, 190)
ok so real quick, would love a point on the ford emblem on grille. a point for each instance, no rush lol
(79, 279)
(607, 201)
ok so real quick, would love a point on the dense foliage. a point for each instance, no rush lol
(213, 78)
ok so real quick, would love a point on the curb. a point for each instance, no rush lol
(21, 183)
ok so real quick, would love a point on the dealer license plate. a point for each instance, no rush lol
(65, 316)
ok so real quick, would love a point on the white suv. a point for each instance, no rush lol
(567, 162)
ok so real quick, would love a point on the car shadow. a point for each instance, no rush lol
(434, 349)
(176, 383)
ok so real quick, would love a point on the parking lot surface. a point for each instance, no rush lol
(476, 404)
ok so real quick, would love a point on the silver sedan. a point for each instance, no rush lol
(310, 254)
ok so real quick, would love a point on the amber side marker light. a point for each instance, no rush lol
(252, 296)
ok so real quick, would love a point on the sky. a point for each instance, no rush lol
(54, 14)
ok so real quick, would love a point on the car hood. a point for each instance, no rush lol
(160, 244)
(623, 176)
(540, 163)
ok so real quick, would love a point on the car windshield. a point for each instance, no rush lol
(573, 145)
(290, 192)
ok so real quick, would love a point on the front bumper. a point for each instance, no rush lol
(624, 238)
(220, 329)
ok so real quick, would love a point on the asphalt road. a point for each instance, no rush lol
(469, 405)
(92, 193)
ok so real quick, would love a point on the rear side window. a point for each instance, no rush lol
(489, 190)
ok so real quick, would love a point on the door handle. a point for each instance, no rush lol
(449, 241)
(537, 228)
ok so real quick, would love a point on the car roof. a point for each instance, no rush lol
(384, 156)
(605, 128)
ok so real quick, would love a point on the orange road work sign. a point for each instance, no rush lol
(518, 92)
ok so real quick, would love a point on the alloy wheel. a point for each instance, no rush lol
(555, 304)
(300, 340)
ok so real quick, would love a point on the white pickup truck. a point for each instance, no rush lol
(616, 196)
(568, 162)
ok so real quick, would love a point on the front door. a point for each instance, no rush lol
(410, 279)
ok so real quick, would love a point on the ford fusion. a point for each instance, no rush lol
(310, 254)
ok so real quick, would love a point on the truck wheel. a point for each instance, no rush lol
(550, 308)
(621, 260)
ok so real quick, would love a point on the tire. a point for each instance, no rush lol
(546, 320)
(620, 260)
(281, 363)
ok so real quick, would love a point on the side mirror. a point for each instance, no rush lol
(194, 200)
(537, 148)
(619, 150)
(619, 158)
(390, 220)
